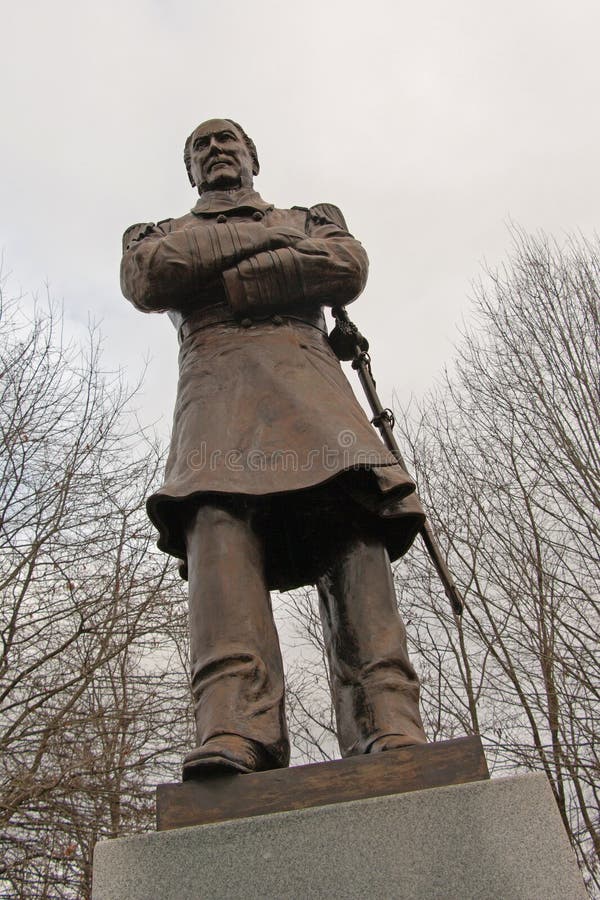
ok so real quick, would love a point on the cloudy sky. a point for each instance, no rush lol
(432, 125)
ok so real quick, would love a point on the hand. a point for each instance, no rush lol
(284, 236)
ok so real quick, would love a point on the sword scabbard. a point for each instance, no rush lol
(383, 420)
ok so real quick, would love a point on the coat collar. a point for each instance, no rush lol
(212, 203)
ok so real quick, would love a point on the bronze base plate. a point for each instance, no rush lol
(220, 797)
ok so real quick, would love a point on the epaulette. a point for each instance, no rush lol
(136, 233)
(328, 213)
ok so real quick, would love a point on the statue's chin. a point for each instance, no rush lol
(222, 184)
(228, 183)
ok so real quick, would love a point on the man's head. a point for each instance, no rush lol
(219, 154)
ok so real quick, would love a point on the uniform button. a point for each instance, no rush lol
(257, 216)
(246, 323)
(221, 219)
(277, 320)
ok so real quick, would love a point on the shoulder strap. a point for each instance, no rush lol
(136, 233)
(327, 212)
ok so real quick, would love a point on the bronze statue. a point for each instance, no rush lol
(275, 477)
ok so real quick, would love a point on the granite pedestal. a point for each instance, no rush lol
(490, 840)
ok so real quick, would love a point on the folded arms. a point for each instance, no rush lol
(258, 269)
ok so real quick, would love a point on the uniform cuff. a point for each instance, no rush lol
(267, 283)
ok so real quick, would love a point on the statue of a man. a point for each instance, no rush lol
(275, 477)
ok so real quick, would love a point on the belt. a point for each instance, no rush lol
(220, 314)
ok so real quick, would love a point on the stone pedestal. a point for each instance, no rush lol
(488, 840)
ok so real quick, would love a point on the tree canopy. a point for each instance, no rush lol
(92, 625)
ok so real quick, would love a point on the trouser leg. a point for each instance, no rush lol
(375, 688)
(236, 666)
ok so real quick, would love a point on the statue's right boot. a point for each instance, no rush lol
(236, 666)
(226, 754)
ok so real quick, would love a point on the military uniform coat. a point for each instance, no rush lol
(264, 411)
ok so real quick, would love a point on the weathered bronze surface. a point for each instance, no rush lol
(275, 477)
(395, 772)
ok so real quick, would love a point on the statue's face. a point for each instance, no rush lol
(219, 157)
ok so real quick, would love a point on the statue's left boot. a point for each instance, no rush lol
(393, 742)
(375, 689)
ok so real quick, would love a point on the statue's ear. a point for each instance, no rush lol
(187, 158)
(188, 166)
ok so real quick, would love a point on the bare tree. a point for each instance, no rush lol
(93, 698)
(507, 453)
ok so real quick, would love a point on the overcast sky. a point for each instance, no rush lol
(431, 125)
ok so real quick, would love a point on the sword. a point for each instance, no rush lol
(348, 344)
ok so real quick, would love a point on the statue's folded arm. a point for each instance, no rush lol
(166, 271)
